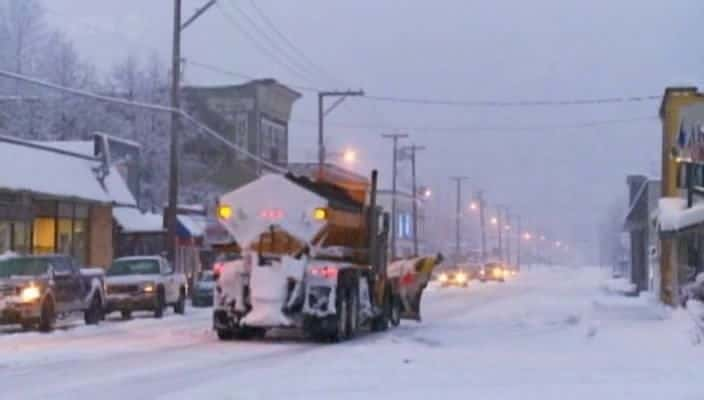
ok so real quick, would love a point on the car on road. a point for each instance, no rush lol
(36, 290)
(203, 289)
(493, 271)
(453, 277)
(144, 283)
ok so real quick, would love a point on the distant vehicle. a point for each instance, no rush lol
(203, 290)
(36, 290)
(456, 277)
(144, 283)
(493, 271)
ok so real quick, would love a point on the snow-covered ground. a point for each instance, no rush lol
(545, 334)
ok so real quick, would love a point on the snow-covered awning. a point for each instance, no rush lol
(191, 226)
(673, 216)
(34, 169)
(132, 220)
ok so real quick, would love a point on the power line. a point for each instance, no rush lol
(262, 48)
(272, 42)
(518, 103)
(286, 40)
(471, 103)
(487, 128)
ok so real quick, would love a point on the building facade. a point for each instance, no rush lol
(643, 201)
(254, 115)
(53, 201)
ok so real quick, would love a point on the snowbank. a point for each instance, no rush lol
(620, 286)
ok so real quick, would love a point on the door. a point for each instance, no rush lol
(66, 284)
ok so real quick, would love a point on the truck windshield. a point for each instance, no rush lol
(23, 266)
(134, 267)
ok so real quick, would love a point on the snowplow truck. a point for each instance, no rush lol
(314, 257)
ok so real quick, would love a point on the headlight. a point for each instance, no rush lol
(148, 288)
(497, 272)
(461, 277)
(481, 272)
(442, 278)
(30, 293)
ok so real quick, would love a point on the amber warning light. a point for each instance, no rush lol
(224, 211)
(320, 214)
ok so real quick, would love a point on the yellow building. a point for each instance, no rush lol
(681, 232)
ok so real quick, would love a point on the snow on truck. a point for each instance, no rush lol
(314, 258)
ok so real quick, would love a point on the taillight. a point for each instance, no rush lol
(326, 272)
(217, 269)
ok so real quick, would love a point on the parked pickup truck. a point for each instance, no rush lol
(36, 290)
(144, 283)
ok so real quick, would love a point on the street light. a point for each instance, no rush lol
(527, 236)
(494, 220)
(349, 156)
(427, 193)
(507, 227)
(558, 243)
(473, 205)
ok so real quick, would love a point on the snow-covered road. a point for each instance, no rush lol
(546, 334)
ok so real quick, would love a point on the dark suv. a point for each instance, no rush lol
(36, 290)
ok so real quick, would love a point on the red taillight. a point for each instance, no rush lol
(271, 214)
(217, 269)
(327, 272)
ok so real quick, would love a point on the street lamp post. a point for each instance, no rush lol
(341, 96)
(458, 180)
(394, 224)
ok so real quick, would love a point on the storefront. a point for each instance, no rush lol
(53, 202)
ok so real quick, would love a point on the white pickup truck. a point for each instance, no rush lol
(144, 283)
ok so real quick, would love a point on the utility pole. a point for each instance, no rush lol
(394, 224)
(482, 224)
(499, 229)
(508, 228)
(412, 151)
(172, 208)
(341, 95)
(458, 214)
(520, 238)
(175, 128)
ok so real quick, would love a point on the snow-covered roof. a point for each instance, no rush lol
(27, 168)
(84, 147)
(193, 224)
(132, 220)
(116, 187)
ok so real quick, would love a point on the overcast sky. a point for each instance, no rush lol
(557, 177)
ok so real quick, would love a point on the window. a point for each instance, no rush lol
(5, 237)
(241, 134)
(20, 237)
(80, 248)
(63, 238)
(44, 236)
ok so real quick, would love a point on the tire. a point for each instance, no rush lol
(159, 306)
(47, 318)
(381, 323)
(395, 317)
(341, 320)
(247, 333)
(126, 314)
(352, 311)
(94, 313)
(180, 306)
(224, 334)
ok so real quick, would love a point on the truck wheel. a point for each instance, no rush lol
(395, 311)
(47, 317)
(126, 314)
(352, 312)
(159, 306)
(341, 320)
(27, 325)
(180, 306)
(224, 334)
(93, 314)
